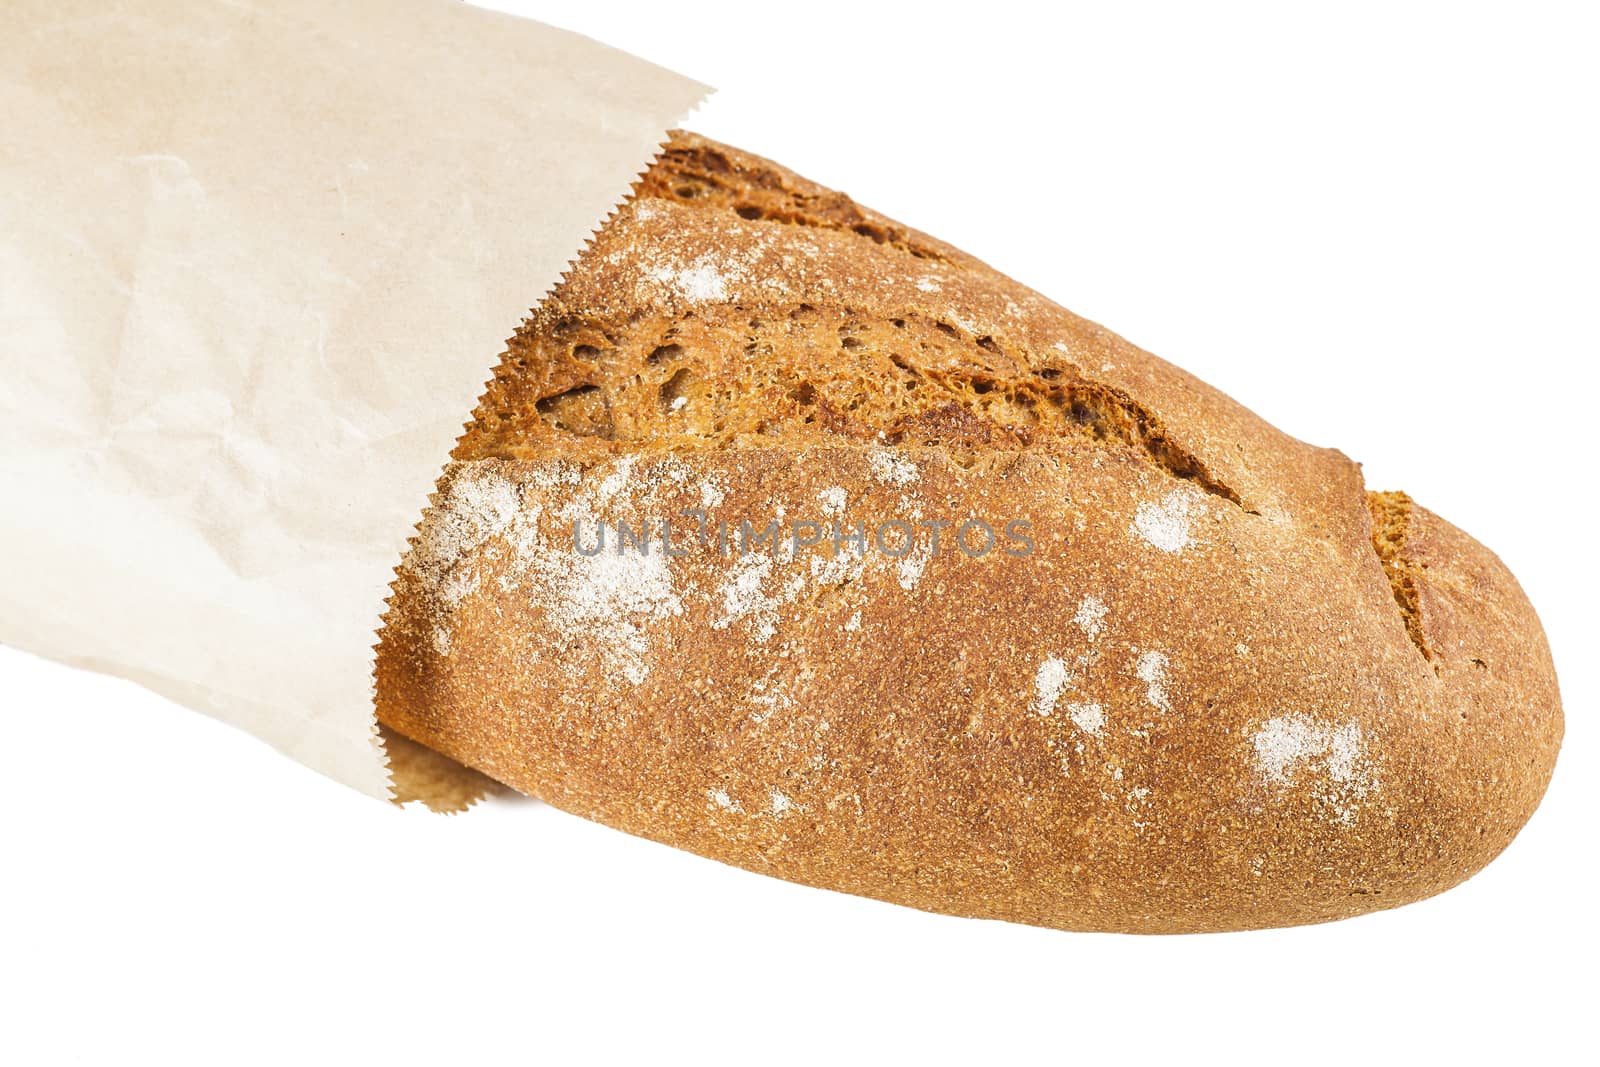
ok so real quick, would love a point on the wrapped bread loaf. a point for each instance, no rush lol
(798, 539)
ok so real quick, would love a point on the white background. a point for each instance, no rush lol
(1374, 224)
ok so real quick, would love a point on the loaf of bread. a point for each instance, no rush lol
(917, 586)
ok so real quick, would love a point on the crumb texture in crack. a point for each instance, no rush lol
(1391, 519)
(703, 175)
(728, 376)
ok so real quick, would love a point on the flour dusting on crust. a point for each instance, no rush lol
(744, 596)
(1049, 683)
(602, 602)
(912, 565)
(782, 804)
(892, 469)
(1165, 525)
(1295, 747)
(477, 505)
(605, 600)
(1090, 617)
(699, 283)
(1090, 718)
(1152, 671)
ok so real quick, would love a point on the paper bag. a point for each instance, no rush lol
(256, 263)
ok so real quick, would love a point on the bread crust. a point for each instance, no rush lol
(1225, 687)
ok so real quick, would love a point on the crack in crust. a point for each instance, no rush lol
(703, 177)
(1391, 519)
(727, 375)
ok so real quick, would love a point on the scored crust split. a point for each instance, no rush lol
(1224, 687)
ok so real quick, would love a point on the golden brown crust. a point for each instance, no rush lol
(1214, 694)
